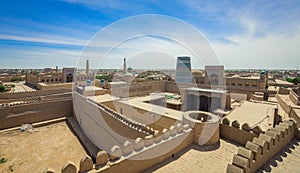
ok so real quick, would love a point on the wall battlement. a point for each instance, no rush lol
(32, 93)
(262, 148)
(119, 156)
(236, 132)
(12, 115)
(125, 120)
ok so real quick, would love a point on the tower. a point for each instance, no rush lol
(183, 70)
(124, 66)
(87, 68)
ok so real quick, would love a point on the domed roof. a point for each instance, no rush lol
(262, 72)
(197, 72)
(129, 68)
(128, 75)
(236, 76)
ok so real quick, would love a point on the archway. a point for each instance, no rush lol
(69, 77)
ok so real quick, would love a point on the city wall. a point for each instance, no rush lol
(12, 115)
(138, 155)
(98, 120)
(153, 120)
(138, 89)
(285, 106)
(294, 97)
(43, 86)
(240, 134)
(295, 116)
(18, 95)
(262, 148)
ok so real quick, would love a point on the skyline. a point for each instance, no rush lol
(260, 35)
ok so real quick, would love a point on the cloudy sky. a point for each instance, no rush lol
(242, 34)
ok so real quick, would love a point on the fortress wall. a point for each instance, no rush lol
(294, 97)
(4, 110)
(32, 93)
(27, 99)
(138, 160)
(110, 105)
(295, 116)
(136, 156)
(238, 133)
(42, 86)
(97, 120)
(285, 106)
(283, 91)
(151, 119)
(138, 89)
(34, 111)
(257, 152)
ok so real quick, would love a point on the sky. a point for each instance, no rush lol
(241, 34)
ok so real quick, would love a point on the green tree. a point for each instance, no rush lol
(15, 79)
(2, 88)
(105, 77)
(12, 85)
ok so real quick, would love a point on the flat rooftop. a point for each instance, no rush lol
(196, 159)
(47, 146)
(103, 98)
(141, 103)
(254, 113)
(207, 90)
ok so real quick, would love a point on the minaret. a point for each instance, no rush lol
(124, 66)
(87, 68)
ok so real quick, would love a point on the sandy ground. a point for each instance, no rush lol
(48, 146)
(199, 159)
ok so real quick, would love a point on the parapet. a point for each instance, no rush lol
(127, 150)
(257, 152)
(237, 132)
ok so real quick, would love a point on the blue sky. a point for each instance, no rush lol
(243, 34)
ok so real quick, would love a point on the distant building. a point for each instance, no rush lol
(124, 66)
(183, 70)
(215, 76)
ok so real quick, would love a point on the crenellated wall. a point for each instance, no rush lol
(97, 120)
(295, 115)
(18, 95)
(12, 115)
(240, 134)
(262, 148)
(138, 155)
(294, 97)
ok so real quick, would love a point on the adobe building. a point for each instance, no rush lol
(56, 80)
(153, 126)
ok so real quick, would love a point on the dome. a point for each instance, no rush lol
(88, 81)
(236, 76)
(128, 75)
(129, 68)
(197, 72)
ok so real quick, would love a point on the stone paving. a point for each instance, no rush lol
(199, 159)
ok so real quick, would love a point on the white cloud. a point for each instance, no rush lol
(272, 50)
(50, 39)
